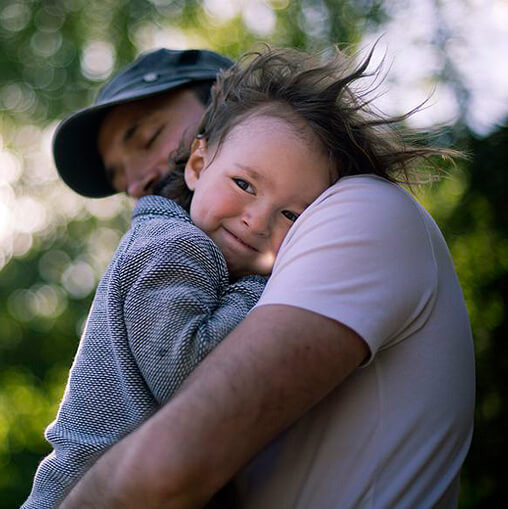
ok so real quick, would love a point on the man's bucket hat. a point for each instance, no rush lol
(75, 142)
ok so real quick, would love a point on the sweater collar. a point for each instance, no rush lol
(159, 206)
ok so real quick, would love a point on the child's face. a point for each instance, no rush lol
(249, 193)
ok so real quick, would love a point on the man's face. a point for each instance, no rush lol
(136, 138)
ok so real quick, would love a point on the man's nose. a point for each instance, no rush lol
(141, 184)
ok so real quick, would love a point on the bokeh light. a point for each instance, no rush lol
(98, 60)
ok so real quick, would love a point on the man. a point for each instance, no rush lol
(363, 279)
(122, 142)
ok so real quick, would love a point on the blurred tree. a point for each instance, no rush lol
(472, 212)
(478, 234)
(54, 245)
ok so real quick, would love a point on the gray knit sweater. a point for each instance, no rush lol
(163, 304)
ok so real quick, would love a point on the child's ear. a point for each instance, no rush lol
(196, 163)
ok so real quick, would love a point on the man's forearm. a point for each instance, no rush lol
(278, 363)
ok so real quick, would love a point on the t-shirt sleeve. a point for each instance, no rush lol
(359, 255)
(179, 304)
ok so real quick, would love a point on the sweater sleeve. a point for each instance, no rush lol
(178, 303)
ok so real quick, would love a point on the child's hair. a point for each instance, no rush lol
(298, 87)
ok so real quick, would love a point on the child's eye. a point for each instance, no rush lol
(243, 184)
(290, 215)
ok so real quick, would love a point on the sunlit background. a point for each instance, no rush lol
(54, 245)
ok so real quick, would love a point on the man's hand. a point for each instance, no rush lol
(266, 374)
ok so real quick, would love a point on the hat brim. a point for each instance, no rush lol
(75, 143)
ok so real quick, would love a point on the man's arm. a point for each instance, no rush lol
(266, 374)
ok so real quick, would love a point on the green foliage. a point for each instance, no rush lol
(472, 212)
(54, 54)
(478, 232)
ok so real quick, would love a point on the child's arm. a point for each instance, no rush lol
(178, 302)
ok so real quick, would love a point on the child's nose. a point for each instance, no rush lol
(259, 220)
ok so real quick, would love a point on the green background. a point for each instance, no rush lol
(54, 245)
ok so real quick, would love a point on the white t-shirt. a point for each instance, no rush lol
(396, 432)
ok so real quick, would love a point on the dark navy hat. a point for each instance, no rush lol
(75, 142)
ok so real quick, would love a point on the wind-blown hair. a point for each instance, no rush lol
(299, 88)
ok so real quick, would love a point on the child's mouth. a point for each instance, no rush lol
(238, 239)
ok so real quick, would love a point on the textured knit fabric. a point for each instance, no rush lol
(163, 304)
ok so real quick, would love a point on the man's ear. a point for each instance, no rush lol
(196, 163)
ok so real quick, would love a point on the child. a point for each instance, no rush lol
(277, 133)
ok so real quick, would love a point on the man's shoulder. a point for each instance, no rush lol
(363, 203)
(366, 189)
